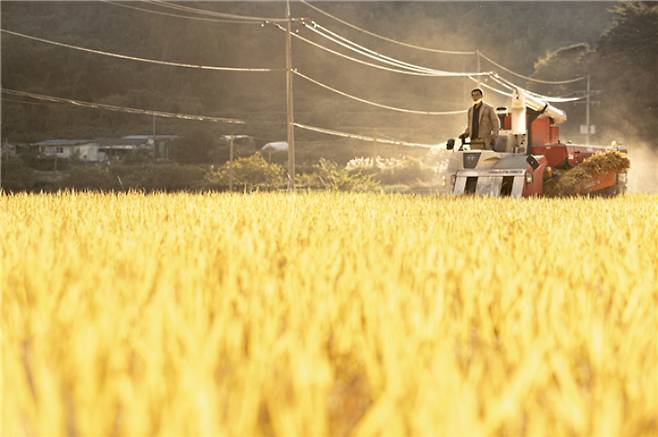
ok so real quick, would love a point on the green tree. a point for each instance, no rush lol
(248, 174)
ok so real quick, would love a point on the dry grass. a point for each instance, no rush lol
(574, 180)
(327, 314)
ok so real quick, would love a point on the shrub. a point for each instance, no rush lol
(90, 177)
(161, 177)
(16, 176)
(165, 177)
(138, 156)
(328, 175)
(248, 174)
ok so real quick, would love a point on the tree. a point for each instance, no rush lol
(626, 67)
(623, 67)
(564, 63)
(196, 145)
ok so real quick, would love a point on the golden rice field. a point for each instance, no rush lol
(328, 315)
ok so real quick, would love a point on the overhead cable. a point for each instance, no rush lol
(134, 58)
(167, 14)
(486, 85)
(413, 46)
(122, 108)
(510, 85)
(428, 71)
(351, 45)
(209, 13)
(449, 52)
(359, 61)
(379, 105)
(26, 102)
(361, 137)
(531, 79)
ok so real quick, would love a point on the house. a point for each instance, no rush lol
(104, 149)
(160, 145)
(115, 148)
(84, 150)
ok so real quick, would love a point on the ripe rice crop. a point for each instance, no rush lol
(327, 314)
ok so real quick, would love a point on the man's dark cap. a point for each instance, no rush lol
(477, 89)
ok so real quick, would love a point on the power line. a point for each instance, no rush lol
(449, 52)
(351, 45)
(360, 29)
(215, 13)
(379, 105)
(134, 58)
(122, 108)
(431, 72)
(361, 137)
(486, 85)
(511, 86)
(359, 61)
(504, 83)
(531, 79)
(167, 14)
(25, 102)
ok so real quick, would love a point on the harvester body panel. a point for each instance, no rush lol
(489, 173)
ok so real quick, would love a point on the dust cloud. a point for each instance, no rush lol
(643, 174)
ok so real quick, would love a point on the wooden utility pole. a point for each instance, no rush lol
(289, 105)
(230, 158)
(477, 57)
(587, 105)
(465, 67)
(1, 143)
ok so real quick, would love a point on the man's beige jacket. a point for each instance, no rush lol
(489, 124)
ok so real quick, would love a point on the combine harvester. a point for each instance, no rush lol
(530, 160)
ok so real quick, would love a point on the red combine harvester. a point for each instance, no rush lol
(528, 156)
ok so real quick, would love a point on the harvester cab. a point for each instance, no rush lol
(527, 155)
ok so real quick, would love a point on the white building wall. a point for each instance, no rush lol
(58, 151)
(90, 152)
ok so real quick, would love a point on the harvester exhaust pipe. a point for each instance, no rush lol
(518, 110)
(518, 113)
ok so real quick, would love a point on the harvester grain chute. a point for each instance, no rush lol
(529, 159)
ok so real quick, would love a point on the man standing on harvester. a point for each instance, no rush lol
(482, 123)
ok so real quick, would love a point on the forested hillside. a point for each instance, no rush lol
(518, 35)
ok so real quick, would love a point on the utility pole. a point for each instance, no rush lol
(587, 129)
(464, 88)
(477, 57)
(155, 146)
(289, 104)
(230, 158)
(587, 109)
(6, 140)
